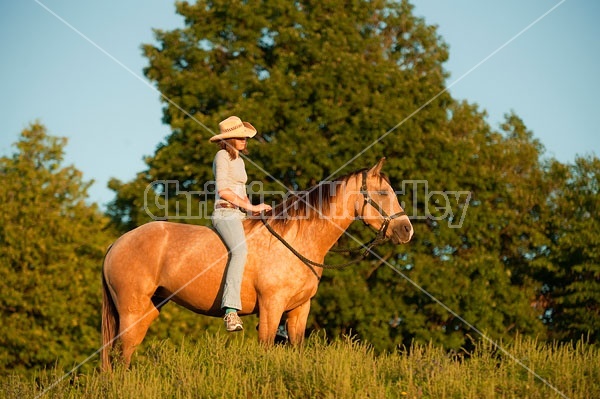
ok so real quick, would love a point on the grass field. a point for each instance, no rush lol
(234, 366)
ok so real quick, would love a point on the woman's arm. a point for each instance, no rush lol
(228, 195)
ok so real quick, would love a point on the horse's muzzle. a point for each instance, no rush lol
(401, 230)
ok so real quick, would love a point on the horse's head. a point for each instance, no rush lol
(377, 205)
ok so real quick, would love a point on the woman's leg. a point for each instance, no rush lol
(232, 232)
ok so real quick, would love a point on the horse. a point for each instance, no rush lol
(163, 261)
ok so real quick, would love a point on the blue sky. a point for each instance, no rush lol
(85, 81)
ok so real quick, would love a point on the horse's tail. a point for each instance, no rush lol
(110, 323)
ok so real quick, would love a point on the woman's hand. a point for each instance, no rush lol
(243, 203)
(256, 209)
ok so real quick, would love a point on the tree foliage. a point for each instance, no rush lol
(52, 246)
(319, 80)
(571, 290)
(334, 85)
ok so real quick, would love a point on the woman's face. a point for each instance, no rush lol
(240, 143)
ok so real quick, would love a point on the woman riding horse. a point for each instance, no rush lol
(162, 261)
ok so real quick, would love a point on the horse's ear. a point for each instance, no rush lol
(376, 170)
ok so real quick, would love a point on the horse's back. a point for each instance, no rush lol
(190, 251)
(182, 262)
(152, 254)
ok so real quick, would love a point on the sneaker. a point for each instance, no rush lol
(233, 322)
(281, 333)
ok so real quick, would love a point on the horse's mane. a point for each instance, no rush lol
(307, 205)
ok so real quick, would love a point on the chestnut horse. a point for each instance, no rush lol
(162, 261)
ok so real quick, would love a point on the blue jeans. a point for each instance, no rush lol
(228, 222)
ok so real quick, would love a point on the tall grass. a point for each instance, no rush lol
(234, 366)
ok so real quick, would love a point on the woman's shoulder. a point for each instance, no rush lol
(222, 155)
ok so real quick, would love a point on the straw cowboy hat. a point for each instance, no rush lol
(233, 127)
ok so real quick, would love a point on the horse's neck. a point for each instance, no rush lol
(318, 236)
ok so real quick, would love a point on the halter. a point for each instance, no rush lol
(368, 200)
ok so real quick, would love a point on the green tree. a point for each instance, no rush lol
(332, 86)
(319, 80)
(52, 246)
(571, 290)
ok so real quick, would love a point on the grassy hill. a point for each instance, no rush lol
(235, 366)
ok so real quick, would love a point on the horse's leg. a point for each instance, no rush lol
(296, 323)
(268, 321)
(135, 321)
